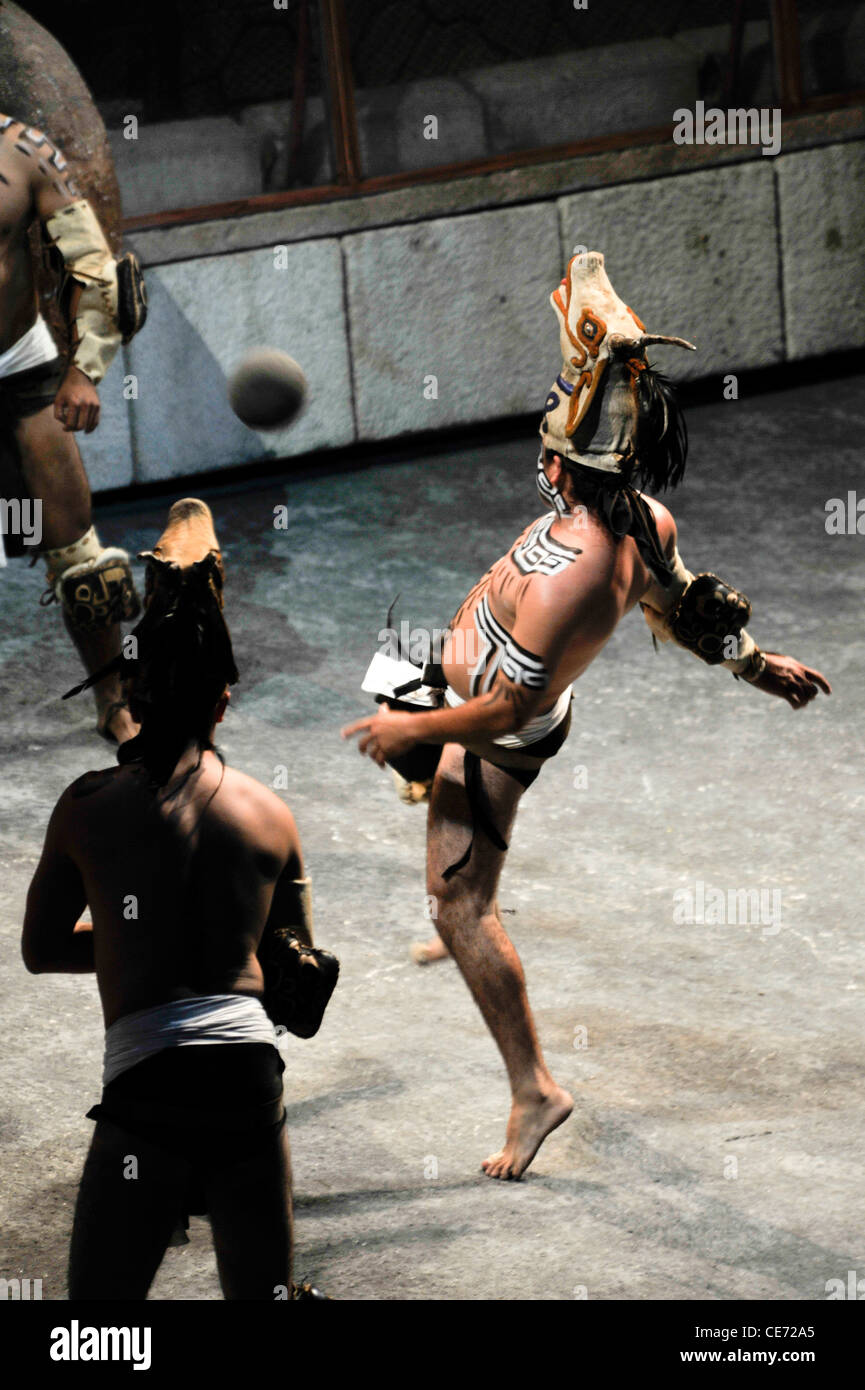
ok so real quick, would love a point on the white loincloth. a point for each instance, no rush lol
(203, 1019)
(34, 348)
(536, 729)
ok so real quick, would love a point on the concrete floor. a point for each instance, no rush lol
(716, 1147)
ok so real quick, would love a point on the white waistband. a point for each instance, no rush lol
(203, 1019)
(536, 729)
(34, 348)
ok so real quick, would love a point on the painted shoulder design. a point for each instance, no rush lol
(538, 553)
(33, 145)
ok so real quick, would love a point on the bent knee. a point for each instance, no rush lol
(455, 902)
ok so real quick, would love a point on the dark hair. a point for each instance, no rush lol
(662, 435)
(660, 450)
(181, 664)
(590, 486)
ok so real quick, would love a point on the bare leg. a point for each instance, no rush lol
(470, 927)
(96, 649)
(53, 473)
(250, 1213)
(428, 952)
(124, 1215)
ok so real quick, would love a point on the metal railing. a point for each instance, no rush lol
(312, 53)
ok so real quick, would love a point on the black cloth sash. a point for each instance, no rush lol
(479, 806)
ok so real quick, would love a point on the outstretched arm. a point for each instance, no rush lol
(518, 692)
(791, 680)
(390, 733)
(770, 672)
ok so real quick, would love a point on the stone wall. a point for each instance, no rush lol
(757, 260)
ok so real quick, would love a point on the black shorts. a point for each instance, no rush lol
(545, 748)
(21, 395)
(524, 773)
(26, 393)
(208, 1104)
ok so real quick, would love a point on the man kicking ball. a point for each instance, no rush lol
(529, 628)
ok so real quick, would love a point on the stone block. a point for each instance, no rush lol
(204, 315)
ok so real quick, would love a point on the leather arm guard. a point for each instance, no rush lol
(112, 304)
(708, 617)
(131, 297)
(298, 978)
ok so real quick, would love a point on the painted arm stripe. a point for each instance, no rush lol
(502, 652)
(527, 660)
(490, 626)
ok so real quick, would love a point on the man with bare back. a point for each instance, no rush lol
(45, 400)
(186, 865)
(528, 630)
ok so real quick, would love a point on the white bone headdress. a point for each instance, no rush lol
(592, 410)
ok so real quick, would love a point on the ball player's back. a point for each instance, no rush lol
(179, 886)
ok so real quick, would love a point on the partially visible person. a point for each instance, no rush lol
(45, 400)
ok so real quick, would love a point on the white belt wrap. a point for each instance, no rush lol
(31, 350)
(536, 729)
(203, 1019)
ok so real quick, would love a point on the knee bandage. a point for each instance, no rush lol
(93, 583)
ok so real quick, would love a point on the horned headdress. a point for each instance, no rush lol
(607, 409)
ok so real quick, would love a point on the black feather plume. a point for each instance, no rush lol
(662, 435)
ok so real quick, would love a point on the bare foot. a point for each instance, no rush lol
(412, 793)
(425, 952)
(528, 1126)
